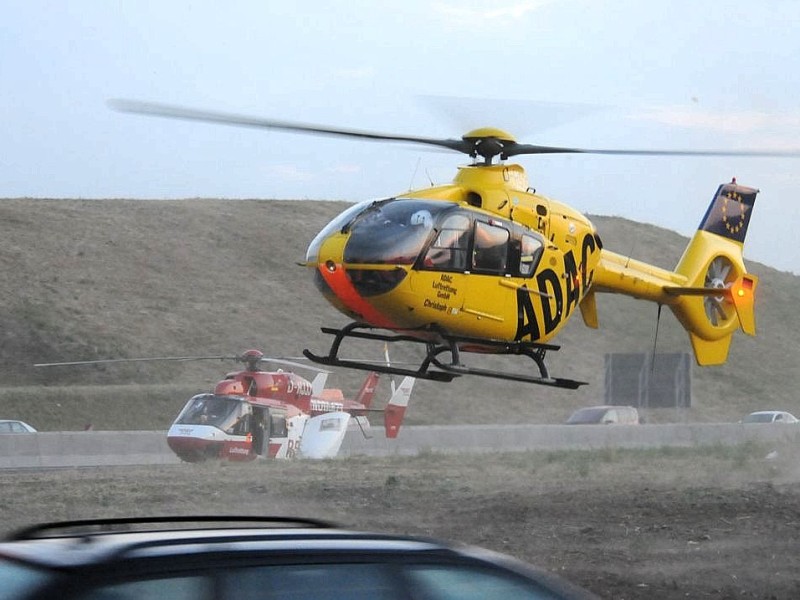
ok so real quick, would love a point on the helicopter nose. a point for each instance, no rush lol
(333, 281)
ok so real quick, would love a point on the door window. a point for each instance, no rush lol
(491, 248)
(278, 425)
(449, 250)
(530, 253)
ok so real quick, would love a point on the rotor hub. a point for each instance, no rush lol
(717, 283)
(251, 358)
(488, 142)
(719, 276)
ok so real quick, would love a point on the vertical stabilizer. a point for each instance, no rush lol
(396, 409)
(367, 391)
(729, 213)
(318, 385)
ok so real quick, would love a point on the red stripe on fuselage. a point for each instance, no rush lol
(341, 285)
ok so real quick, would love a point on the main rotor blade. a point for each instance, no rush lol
(517, 149)
(191, 114)
(179, 359)
(487, 147)
(291, 363)
(124, 360)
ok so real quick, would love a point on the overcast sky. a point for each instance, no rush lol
(586, 73)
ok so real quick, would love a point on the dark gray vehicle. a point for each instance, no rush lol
(197, 558)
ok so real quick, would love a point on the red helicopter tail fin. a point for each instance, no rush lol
(367, 391)
(396, 409)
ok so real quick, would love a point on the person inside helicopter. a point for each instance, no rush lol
(449, 249)
(490, 252)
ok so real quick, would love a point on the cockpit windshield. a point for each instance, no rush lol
(344, 219)
(210, 409)
(393, 231)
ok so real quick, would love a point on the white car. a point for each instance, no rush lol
(12, 426)
(770, 416)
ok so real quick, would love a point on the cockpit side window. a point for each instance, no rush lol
(490, 252)
(530, 253)
(448, 252)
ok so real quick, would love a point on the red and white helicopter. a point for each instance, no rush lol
(254, 413)
(277, 414)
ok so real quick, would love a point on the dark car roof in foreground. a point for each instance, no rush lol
(75, 543)
(83, 545)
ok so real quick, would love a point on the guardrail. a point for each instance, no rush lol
(522, 438)
(118, 448)
(84, 449)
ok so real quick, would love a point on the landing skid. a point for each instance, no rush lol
(438, 343)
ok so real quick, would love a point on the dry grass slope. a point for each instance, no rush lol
(87, 279)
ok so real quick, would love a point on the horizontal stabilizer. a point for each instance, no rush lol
(696, 291)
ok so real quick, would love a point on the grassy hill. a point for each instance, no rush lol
(89, 279)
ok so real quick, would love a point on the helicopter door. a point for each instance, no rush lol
(277, 437)
(487, 301)
(440, 274)
(260, 430)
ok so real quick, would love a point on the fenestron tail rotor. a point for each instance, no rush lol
(720, 275)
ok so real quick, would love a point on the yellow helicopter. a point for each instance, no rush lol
(484, 264)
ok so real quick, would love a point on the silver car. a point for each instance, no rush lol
(13, 426)
(770, 416)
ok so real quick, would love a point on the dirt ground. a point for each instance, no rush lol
(711, 523)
